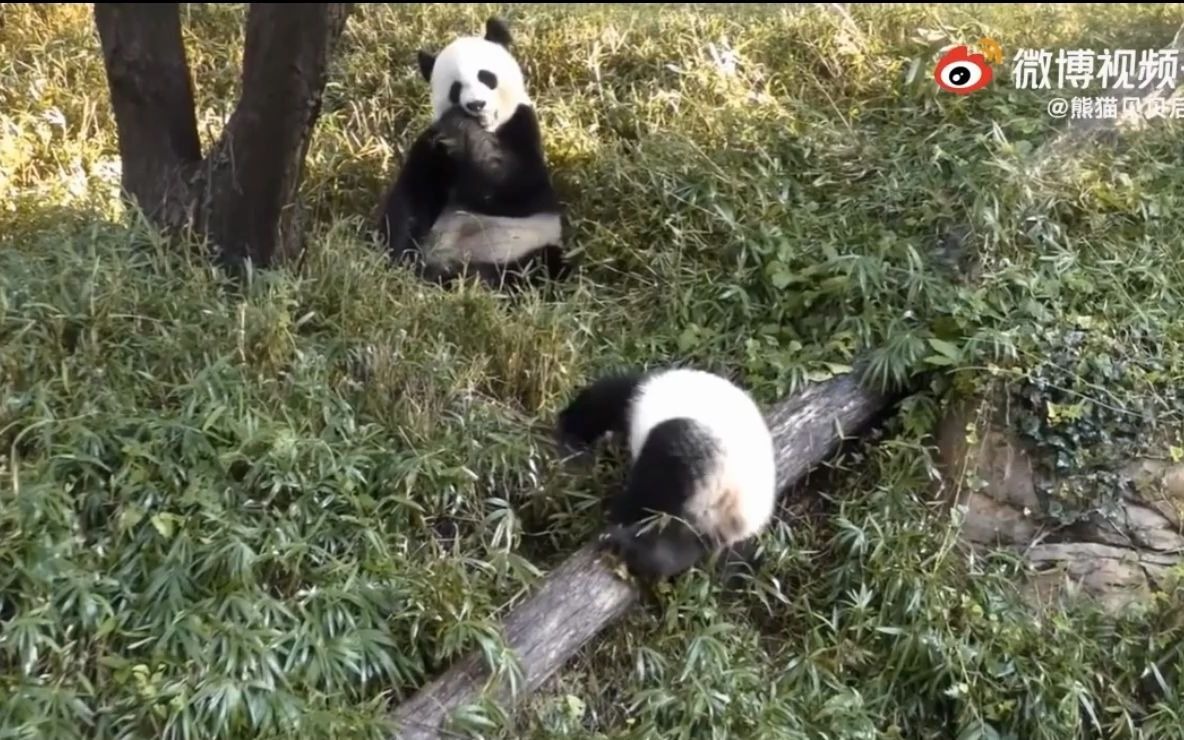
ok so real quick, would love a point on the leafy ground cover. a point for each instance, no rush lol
(274, 510)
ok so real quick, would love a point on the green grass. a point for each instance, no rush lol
(278, 509)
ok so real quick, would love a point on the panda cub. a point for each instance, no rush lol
(701, 453)
(475, 192)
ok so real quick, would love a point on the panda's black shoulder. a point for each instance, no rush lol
(521, 130)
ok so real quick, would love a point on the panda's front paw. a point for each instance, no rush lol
(453, 117)
(569, 445)
(445, 133)
(454, 129)
(617, 538)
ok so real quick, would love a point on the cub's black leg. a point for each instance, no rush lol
(549, 262)
(535, 269)
(440, 276)
(656, 550)
(666, 474)
(599, 408)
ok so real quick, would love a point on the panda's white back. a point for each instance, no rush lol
(747, 467)
(688, 393)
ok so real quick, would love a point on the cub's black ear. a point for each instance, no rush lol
(498, 32)
(426, 62)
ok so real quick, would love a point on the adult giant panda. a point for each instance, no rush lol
(701, 452)
(475, 192)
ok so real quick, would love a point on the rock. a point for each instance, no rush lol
(1116, 577)
(1161, 485)
(992, 480)
(1117, 558)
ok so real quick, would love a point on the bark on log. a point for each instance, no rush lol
(581, 597)
(243, 196)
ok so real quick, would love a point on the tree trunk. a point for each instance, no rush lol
(243, 196)
(152, 98)
(583, 595)
(253, 174)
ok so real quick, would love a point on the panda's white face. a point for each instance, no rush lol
(478, 76)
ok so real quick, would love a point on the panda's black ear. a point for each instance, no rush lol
(497, 31)
(426, 61)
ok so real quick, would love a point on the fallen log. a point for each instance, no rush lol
(583, 596)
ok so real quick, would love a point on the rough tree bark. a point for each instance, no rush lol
(581, 597)
(243, 195)
(152, 98)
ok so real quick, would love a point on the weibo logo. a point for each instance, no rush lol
(962, 73)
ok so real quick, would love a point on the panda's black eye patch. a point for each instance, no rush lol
(454, 93)
(487, 78)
